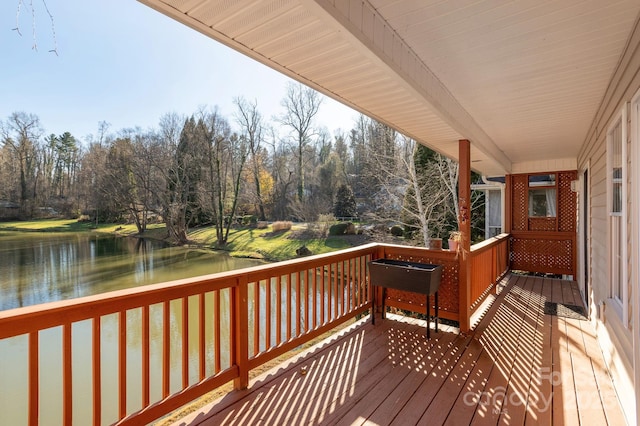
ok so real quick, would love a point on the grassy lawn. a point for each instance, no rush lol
(72, 225)
(246, 242)
(262, 243)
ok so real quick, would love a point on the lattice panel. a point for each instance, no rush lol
(542, 224)
(567, 202)
(542, 255)
(448, 293)
(520, 193)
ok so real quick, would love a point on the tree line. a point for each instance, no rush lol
(206, 169)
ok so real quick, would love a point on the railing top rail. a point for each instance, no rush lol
(274, 269)
(487, 244)
(14, 322)
(395, 248)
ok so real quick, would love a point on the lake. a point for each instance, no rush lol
(43, 267)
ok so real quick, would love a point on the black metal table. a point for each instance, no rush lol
(421, 278)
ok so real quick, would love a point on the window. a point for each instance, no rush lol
(542, 202)
(542, 195)
(616, 206)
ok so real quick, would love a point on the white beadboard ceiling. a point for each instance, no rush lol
(522, 80)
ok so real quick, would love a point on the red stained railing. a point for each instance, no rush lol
(489, 263)
(206, 331)
(174, 342)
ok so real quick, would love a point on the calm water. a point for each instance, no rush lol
(37, 268)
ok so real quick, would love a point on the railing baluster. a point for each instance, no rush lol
(342, 299)
(122, 364)
(333, 273)
(202, 365)
(358, 283)
(256, 317)
(216, 332)
(298, 303)
(308, 300)
(166, 348)
(146, 376)
(185, 342)
(315, 296)
(34, 378)
(352, 286)
(96, 371)
(362, 281)
(67, 380)
(267, 315)
(288, 307)
(322, 296)
(279, 310)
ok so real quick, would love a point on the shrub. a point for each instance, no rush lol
(397, 230)
(343, 228)
(249, 219)
(326, 218)
(262, 224)
(283, 225)
(324, 222)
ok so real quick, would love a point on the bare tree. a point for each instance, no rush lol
(413, 189)
(21, 133)
(118, 182)
(282, 176)
(301, 105)
(250, 122)
(226, 155)
(160, 154)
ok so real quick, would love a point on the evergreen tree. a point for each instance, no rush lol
(345, 205)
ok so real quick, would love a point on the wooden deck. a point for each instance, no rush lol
(519, 366)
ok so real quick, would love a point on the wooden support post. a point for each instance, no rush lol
(464, 223)
(240, 330)
(508, 213)
(508, 204)
(377, 301)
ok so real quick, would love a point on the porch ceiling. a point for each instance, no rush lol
(521, 80)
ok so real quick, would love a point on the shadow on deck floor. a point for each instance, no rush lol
(518, 365)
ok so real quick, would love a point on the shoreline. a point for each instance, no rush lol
(246, 242)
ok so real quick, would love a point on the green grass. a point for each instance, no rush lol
(262, 243)
(256, 243)
(72, 225)
(52, 225)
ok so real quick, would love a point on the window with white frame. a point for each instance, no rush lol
(616, 205)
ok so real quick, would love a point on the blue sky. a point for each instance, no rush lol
(120, 61)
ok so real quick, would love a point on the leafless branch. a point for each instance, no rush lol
(34, 46)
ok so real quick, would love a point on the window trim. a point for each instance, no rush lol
(621, 306)
(634, 111)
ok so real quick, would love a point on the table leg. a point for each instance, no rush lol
(383, 314)
(428, 317)
(437, 311)
(373, 305)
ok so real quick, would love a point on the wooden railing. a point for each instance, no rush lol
(489, 262)
(151, 349)
(204, 331)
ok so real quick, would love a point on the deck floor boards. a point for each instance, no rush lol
(518, 366)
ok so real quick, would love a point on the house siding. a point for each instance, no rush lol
(616, 335)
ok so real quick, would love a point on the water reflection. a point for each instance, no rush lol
(38, 268)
